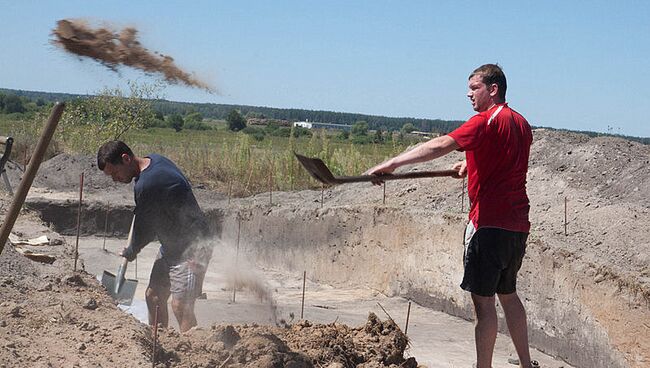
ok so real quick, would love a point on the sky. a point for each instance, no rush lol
(579, 65)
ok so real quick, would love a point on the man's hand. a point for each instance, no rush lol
(461, 168)
(379, 170)
(128, 254)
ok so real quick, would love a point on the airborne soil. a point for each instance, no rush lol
(51, 316)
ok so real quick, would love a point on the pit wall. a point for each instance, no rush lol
(418, 255)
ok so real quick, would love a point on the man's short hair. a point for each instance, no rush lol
(492, 74)
(111, 153)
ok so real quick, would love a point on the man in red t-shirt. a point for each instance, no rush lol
(496, 142)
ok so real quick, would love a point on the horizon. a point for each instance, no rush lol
(568, 66)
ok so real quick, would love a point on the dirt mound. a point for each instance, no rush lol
(376, 344)
(114, 48)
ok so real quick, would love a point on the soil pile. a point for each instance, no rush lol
(114, 48)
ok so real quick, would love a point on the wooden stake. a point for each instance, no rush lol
(322, 194)
(384, 198)
(229, 191)
(76, 246)
(408, 314)
(302, 306)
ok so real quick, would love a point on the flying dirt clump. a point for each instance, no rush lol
(113, 48)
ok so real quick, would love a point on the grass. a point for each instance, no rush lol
(228, 161)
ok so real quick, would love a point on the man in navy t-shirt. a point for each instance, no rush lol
(165, 209)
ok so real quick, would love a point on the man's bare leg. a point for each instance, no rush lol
(517, 326)
(157, 298)
(485, 331)
(184, 312)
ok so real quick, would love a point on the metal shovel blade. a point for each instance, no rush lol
(121, 291)
(319, 171)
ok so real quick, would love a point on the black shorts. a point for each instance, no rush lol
(492, 259)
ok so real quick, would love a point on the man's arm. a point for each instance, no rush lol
(432, 149)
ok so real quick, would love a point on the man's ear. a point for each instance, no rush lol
(126, 159)
(494, 89)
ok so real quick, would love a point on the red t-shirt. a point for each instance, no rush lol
(497, 145)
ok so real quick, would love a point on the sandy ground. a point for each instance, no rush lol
(437, 340)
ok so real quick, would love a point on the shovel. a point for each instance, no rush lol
(121, 289)
(319, 171)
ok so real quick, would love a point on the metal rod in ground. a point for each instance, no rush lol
(76, 246)
(234, 286)
(408, 314)
(271, 185)
(565, 233)
(383, 201)
(136, 268)
(302, 305)
(462, 197)
(105, 228)
(389, 317)
(322, 194)
(155, 337)
(229, 191)
(30, 173)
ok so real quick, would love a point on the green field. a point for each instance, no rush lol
(221, 159)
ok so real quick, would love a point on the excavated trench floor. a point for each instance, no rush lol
(437, 339)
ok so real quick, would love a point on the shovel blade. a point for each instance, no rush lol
(122, 294)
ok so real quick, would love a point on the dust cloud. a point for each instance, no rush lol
(114, 48)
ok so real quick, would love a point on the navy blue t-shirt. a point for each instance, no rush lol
(166, 209)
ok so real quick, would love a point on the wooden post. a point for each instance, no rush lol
(302, 305)
(30, 173)
(76, 246)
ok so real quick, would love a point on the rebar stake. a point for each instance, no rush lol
(462, 196)
(76, 247)
(234, 286)
(155, 337)
(322, 194)
(105, 228)
(408, 314)
(302, 305)
(565, 232)
(271, 186)
(384, 198)
(229, 191)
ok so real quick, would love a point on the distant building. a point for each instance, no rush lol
(423, 135)
(328, 126)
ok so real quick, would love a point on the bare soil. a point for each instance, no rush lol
(50, 317)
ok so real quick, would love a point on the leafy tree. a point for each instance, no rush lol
(379, 136)
(236, 121)
(360, 128)
(407, 128)
(90, 121)
(13, 104)
(343, 135)
(176, 122)
(195, 116)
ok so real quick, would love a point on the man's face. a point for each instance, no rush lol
(480, 94)
(123, 172)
